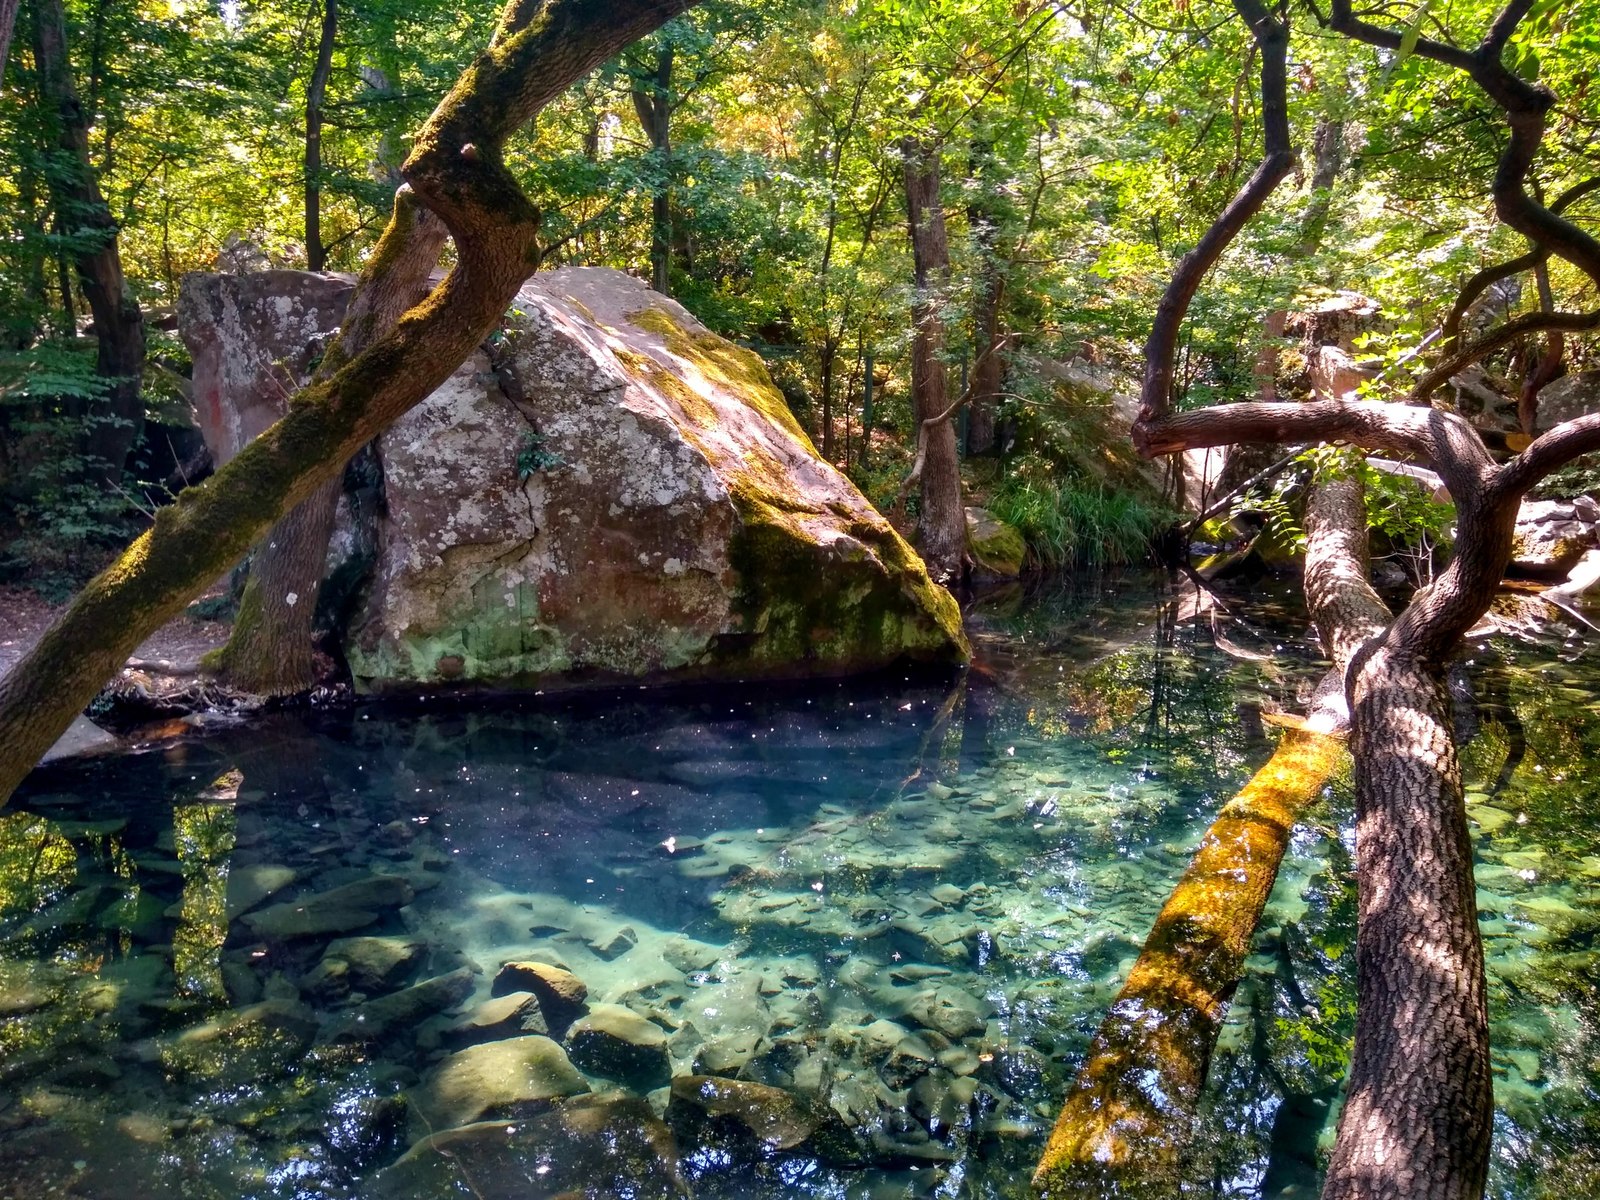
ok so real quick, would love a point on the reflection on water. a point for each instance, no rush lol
(846, 941)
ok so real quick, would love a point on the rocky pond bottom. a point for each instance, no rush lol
(849, 941)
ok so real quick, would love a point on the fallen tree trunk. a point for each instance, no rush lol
(456, 170)
(1127, 1116)
(1129, 1112)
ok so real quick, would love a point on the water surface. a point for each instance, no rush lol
(907, 902)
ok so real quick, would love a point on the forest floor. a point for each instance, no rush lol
(24, 617)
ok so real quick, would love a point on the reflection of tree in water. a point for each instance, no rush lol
(1183, 693)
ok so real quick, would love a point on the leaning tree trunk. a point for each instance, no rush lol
(457, 170)
(941, 521)
(115, 423)
(1417, 1116)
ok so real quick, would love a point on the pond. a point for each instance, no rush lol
(842, 940)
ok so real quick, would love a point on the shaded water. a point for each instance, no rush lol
(906, 903)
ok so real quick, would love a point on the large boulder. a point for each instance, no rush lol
(1571, 396)
(1552, 536)
(254, 339)
(608, 492)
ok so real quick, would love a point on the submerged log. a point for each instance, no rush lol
(1127, 1116)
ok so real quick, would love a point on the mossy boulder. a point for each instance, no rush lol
(997, 549)
(616, 494)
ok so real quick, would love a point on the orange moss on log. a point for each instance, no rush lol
(1128, 1112)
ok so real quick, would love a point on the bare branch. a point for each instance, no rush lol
(1442, 439)
(1160, 350)
(1534, 322)
(1549, 452)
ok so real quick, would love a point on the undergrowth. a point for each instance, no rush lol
(1071, 523)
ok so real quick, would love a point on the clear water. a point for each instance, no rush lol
(767, 875)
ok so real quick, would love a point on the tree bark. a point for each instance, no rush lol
(116, 421)
(316, 253)
(456, 169)
(8, 25)
(1418, 1112)
(988, 290)
(652, 101)
(941, 520)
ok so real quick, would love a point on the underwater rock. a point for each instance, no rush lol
(503, 1016)
(248, 886)
(591, 1146)
(688, 955)
(375, 964)
(244, 1045)
(617, 1043)
(562, 995)
(614, 941)
(508, 1078)
(401, 1011)
(341, 910)
(947, 1010)
(707, 1109)
(727, 1055)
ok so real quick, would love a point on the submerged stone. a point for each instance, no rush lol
(562, 995)
(617, 1043)
(244, 1045)
(375, 963)
(709, 1108)
(341, 910)
(590, 1146)
(509, 1078)
(401, 1012)
(503, 1016)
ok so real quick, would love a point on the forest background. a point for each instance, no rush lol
(750, 160)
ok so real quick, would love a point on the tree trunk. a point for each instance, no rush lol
(269, 650)
(116, 421)
(8, 25)
(652, 101)
(941, 521)
(316, 253)
(1417, 1117)
(988, 289)
(457, 170)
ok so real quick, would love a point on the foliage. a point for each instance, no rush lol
(1069, 523)
(532, 457)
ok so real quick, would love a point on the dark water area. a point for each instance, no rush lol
(265, 959)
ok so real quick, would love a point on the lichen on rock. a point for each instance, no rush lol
(614, 494)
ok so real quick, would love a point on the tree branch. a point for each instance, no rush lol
(1549, 452)
(1160, 349)
(1444, 440)
(1534, 322)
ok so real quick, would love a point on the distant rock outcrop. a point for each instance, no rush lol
(607, 492)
